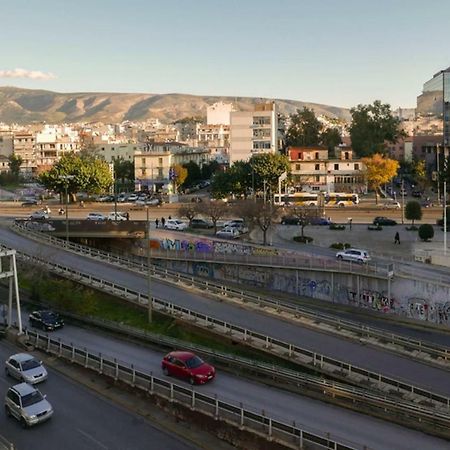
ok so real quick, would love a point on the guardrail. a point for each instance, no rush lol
(422, 351)
(333, 367)
(6, 445)
(263, 425)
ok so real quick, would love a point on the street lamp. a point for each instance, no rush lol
(66, 179)
(149, 294)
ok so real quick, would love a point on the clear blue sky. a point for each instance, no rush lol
(338, 52)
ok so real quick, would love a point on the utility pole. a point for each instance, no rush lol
(403, 202)
(437, 174)
(66, 179)
(149, 293)
(445, 218)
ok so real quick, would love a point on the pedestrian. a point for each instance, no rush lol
(397, 238)
(350, 220)
(170, 217)
(157, 222)
(163, 222)
(127, 215)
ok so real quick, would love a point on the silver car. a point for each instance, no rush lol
(26, 368)
(26, 404)
(354, 255)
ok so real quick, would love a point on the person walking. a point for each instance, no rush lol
(397, 238)
(156, 222)
(163, 222)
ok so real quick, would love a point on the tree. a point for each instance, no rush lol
(426, 232)
(331, 138)
(209, 169)
(413, 211)
(193, 173)
(215, 210)
(373, 125)
(379, 170)
(179, 175)
(14, 165)
(189, 211)
(304, 129)
(305, 214)
(237, 180)
(266, 168)
(123, 170)
(221, 185)
(419, 171)
(260, 214)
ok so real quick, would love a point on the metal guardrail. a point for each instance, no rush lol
(422, 351)
(263, 425)
(6, 445)
(333, 367)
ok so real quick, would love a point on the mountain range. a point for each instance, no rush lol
(24, 106)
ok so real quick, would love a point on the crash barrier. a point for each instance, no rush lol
(418, 350)
(263, 425)
(333, 367)
(6, 445)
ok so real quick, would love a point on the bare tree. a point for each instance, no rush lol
(305, 215)
(214, 210)
(189, 211)
(260, 214)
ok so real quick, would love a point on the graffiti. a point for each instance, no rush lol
(202, 270)
(373, 300)
(231, 248)
(260, 251)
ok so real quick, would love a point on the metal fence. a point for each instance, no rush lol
(416, 349)
(234, 415)
(6, 445)
(331, 366)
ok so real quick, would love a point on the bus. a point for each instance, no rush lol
(296, 199)
(341, 199)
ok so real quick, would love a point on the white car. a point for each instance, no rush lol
(228, 233)
(175, 224)
(96, 216)
(392, 205)
(25, 367)
(132, 198)
(152, 202)
(39, 215)
(116, 216)
(232, 222)
(353, 255)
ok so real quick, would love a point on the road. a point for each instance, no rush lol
(312, 414)
(82, 420)
(370, 358)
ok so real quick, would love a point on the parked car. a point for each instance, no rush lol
(427, 204)
(320, 221)
(384, 221)
(353, 255)
(31, 202)
(391, 205)
(233, 221)
(189, 366)
(99, 217)
(200, 223)
(46, 319)
(39, 215)
(132, 197)
(26, 368)
(290, 220)
(240, 227)
(106, 198)
(152, 201)
(417, 193)
(119, 216)
(175, 224)
(228, 233)
(26, 404)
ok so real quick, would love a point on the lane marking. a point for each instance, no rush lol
(91, 438)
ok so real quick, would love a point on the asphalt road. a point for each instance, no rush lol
(82, 420)
(312, 414)
(370, 358)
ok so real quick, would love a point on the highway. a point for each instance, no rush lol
(370, 358)
(311, 414)
(82, 420)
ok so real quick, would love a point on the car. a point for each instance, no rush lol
(427, 204)
(175, 224)
(188, 366)
(391, 205)
(353, 255)
(39, 215)
(320, 221)
(228, 233)
(99, 217)
(240, 227)
(200, 223)
(46, 319)
(152, 201)
(381, 220)
(417, 194)
(116, 216)
(132, 197)
(31, 202)
(25, 368)
(290, 220)
(233, 221)
(106, 198)
(26, 404)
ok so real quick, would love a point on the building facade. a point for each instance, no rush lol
(253, 132)
(24, 147)
(219, 113)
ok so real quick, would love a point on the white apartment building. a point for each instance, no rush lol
(113, 152)
(253, 132)
(219, 113)
(313, 170)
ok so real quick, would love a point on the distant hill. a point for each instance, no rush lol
(28, 105)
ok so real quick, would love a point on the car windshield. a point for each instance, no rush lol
(194, 362)
(30, 364)
(49, 316)
(32, 398)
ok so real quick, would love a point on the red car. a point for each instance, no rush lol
(189, 366)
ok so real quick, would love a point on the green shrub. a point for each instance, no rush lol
(340, 245)
(411, 228)
(375, 227)
(303, 239)
(426, 232)
(335, 226)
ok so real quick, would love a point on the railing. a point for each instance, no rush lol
(237, 416)
(333, 367)
(6, 445)
(423, 351)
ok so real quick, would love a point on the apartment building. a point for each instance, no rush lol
(113, 152)
(153, 163)
(313, 170)
(24, 147)
(4, 164)
(253, 132)
(219, 113)
(6, 143)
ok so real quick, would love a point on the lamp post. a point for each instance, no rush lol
(403, 202)
(149, 295)
(437, 175)
(445, 218)
(66, 179)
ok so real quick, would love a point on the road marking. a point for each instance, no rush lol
(91, 438)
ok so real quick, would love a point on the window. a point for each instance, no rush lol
(317, 178)
(317, 166)
(143, 161)
(297, 167)
(160, 161)
(356, 166)
(336, 167)
(347, 156)
(144, 172)
(317, 155)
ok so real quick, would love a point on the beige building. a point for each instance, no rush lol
(253, 132)
(6, 143)
(313, 170)
(4, 164)
(113, 152)
(219, 113)
(24, 147)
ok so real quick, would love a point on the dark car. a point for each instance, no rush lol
(47, 320)
(31, 202)
(417, 193)
(384, 221)
(320, 221)
(200, 223)
(189, 366)
(290, 220)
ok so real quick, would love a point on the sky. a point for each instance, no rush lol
(335, 52)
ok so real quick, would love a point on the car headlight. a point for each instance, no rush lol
(201, 376)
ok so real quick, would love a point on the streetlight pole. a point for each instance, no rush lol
(445, 218)
(403, 202)
(149, 294)
(437, 174)
(66, 179)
